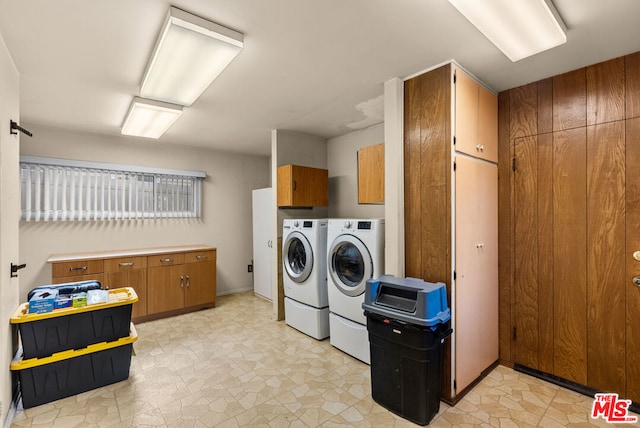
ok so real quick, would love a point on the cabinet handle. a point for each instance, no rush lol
(125, 264)
(181, 281)
(482, 148)
(295, 185)
(77, 268)
(480, 245)
(188, 280)
(477, 147)
(201, 256)
(167, 260)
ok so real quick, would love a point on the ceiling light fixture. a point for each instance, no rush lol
(518, 28)
(189, 54)
(150, 118)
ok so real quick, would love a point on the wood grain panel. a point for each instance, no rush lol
(632, 293)
(526, 252)
(605, 256)
(200, 283)
(435, 179)
(605, 92)
(412, 185)
(428, 186)
(545, 252)
(523, 111)
(632, 74)
(545, 106)
(504, 227)
(570, 100)
(371, 174)
(570, 264)
(75, 278)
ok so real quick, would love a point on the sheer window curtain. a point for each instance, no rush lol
(62, 192)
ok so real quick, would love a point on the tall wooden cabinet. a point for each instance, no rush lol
(451, 209)
(167, 280)
(570, 223)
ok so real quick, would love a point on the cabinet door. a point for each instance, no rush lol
(466, 120)
(371, 175)
(476, 121)
(263, 218)
(300, 186)
(487, 124)
(165, 287)
(200, 283)
(136, 279)
(476, 292)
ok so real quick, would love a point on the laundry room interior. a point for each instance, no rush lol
(319, 214)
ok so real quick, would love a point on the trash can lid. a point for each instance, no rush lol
(410, 300)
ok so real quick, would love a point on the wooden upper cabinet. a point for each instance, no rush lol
(371, 175)
(476, 119)
(301, 186)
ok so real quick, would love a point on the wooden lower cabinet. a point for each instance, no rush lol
(168, 281)
(128, 272)
(166, 288)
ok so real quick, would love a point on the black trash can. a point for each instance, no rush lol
(406, 321)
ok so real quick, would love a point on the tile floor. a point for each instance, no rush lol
(233, 366)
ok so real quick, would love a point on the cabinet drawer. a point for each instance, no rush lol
(125, 263)
(91, 277)
(165, 260)
(75, 268)
(200, 256)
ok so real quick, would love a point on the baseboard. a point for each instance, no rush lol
(579, 388)
(234, 291)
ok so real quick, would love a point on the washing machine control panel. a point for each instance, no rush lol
(347, 224)
(364, 225)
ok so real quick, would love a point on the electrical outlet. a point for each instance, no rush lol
(249, 268)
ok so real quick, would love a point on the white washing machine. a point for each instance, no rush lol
(355, 254)
(306, 304)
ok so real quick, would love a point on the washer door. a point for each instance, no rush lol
(350, 265)
(297, 257)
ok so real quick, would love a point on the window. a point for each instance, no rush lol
(57, 189)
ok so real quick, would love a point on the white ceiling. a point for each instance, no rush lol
(312, 66)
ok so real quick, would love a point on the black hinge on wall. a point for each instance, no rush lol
(454, 274)
(454, 166)
(455, 385)
(513, 164)
(454, 77)
(515, 333)
(454, 140)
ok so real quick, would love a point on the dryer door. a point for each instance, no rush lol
(297, 257)
(350, 265)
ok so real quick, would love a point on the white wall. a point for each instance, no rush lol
(296, 149)
(342, 154)
(9, 203)
(226, 206)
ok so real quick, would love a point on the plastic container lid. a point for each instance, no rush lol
(117, 297)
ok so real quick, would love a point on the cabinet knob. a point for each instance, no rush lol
(477, 147)
(187, 280)
(181, 281)
(636, 255)
(636, 281)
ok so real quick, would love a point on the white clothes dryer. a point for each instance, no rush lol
(304, 247)
(355, 254)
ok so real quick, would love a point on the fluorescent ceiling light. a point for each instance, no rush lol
(519, 28)
(189, 54)
(150, 118)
